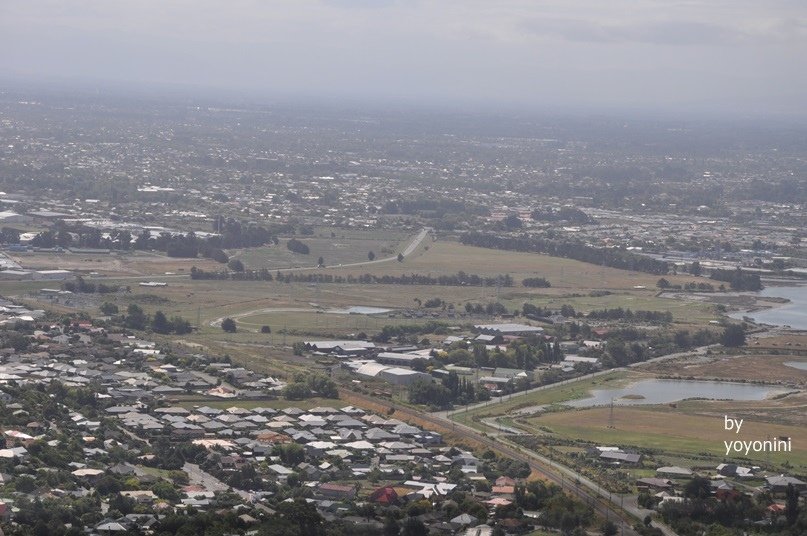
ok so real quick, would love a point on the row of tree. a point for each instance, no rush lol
(612, 257)
(234, 235)
(80, 285)
(738, 279)
(136, 318)
(459, 279)
(525, 354)
(536, 282)
(618, 313)
(296, 246)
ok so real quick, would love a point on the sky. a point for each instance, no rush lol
(732, 56)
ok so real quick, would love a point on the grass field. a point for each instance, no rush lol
(293, 307)
(756, 367)
(136, 263)
(671, 431)
(341, 249)
(214, 299)
(571, 280)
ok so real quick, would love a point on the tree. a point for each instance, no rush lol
(303, 515)
(663, 283)
(695, 268)
(135, 317)
(266, 329)
(698, 488)
(109, 309)
(609, 528)
(400, 257)
(180, 326)
(228, 325)
(733, 336)
(160, 324)
(371, 257)
(218, 255)
(165, 490)
(791, 505)
(295, 246)
(320, 261)
(25, 484)
(124, 505)
(366, 510)
(235, 265)
(391, 527)
(512, 221)
(290, 453)
(296, 391)
(413, 526)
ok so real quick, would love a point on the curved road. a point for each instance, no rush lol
(413, 245)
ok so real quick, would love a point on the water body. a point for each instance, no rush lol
(793, 314)
(359, 310)
(801, 365)
(666, 391)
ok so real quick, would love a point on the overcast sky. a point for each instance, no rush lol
(746, 56)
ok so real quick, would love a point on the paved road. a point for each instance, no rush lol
(413, 245)
(202, 478)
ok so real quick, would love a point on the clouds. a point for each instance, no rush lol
(520, 52)
(676, 33)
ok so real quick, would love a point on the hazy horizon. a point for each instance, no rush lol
(686, 57)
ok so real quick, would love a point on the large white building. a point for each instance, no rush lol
(508, 329)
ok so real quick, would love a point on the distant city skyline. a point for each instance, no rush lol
(733, 57)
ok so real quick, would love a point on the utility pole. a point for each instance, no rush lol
(611, 415)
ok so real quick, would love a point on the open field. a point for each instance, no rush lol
(223, 298)
(672, 431)
(112, 264)
(293, 308)
(572, 281)
(758, 367)
(780, 341)
(341, 249)
(446, 257)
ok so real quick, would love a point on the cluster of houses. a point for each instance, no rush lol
(725, 479)
(12, 313)
(125, 367)
(345, 451)
(404, 365)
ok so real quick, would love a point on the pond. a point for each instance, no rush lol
(801, 365)
(359, 310)
(793, 314)
(666, 391)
